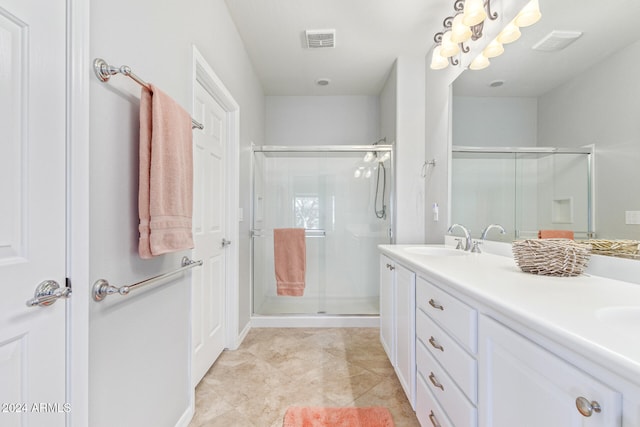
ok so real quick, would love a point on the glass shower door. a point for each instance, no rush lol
(323, 193)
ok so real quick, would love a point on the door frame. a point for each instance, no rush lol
(77, 207)
(204, 74)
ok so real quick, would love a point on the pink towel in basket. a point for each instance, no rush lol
(165, 196)
(290, 259)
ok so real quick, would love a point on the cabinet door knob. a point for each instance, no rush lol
(435, 305)
(435, 344)
(587, 407)
(435, 382)
(433, 419)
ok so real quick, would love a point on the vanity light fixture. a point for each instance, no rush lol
(529, 15)
(493, 49)
(438, 61)
(468, 23)
(509, 34)
(479, 63)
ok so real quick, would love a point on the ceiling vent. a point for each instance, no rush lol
(320, 38)
(557, 40)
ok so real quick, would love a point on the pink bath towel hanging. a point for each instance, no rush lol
(165, 195)
(290, 259)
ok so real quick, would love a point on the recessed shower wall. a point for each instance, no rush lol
(341, 196)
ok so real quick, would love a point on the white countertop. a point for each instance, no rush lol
(575, 312)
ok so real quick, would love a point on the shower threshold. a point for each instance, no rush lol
(315, 321)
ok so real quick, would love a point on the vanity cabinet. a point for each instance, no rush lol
(397, 321)
(387, 296)
(446, 344)
(473, 365)
(525, 385)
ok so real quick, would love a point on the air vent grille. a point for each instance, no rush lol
(320, 38)
(557, 40)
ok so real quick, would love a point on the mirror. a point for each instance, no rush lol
(587, 94)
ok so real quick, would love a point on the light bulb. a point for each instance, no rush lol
(438, 62)
(529, 15)
(367, 174)
(474, 12)
(479, 63)
(384, 157)
(358, 172)
(448, 48)
(494, 49)
(509, 34)
(460, 33)
(369, 157)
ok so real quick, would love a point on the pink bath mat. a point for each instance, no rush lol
(375, 416)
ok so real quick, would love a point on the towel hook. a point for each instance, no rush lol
(426, 164)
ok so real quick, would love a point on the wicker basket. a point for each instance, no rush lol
(620, 248)
(551, 257)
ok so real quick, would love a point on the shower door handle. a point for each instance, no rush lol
(225, 242)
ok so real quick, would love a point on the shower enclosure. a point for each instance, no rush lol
(341, 196)
(525, 189)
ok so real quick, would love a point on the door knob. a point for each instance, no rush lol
(47, 293)
(225, 243)
(587, 407)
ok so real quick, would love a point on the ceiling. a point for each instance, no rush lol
(370, 35)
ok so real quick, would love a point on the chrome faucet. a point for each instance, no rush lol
(467, 235)
(489, 227)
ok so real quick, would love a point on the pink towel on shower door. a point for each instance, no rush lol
(290, 259)
(165, 196)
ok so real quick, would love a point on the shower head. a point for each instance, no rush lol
(384, 157)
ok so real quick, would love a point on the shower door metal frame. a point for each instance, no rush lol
(314, 149)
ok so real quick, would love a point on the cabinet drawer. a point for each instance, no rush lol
(454, 402)
(450, 313)
(459, 365)
(428, 411)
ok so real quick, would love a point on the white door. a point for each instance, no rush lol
(208, 297)
(32, 211)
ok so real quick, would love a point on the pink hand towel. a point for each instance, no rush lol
(555, 234)
(165, 197)
(290, 258)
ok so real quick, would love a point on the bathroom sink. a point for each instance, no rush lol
(435, 251)
(623, 318)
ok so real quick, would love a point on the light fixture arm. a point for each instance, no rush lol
(476, 30)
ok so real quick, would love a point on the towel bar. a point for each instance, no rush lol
(104, 71)
(309, 232)
(102, 288)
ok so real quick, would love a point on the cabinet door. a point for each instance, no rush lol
(387, 302)
(524, 385)
(405, 330)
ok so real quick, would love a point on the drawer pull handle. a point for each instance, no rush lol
(435, 381)
(390, 267)
(435, 305)
(587, 407)
(433, 419)
(435, 344)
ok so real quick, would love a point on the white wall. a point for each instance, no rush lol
(139, 345)
(495, 121)
(409, 150)
(321, 120)
(388, 109)
(601, 107)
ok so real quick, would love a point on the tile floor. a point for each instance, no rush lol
(275, 368)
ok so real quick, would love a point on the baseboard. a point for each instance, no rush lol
(315, 321)
(186, 417)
